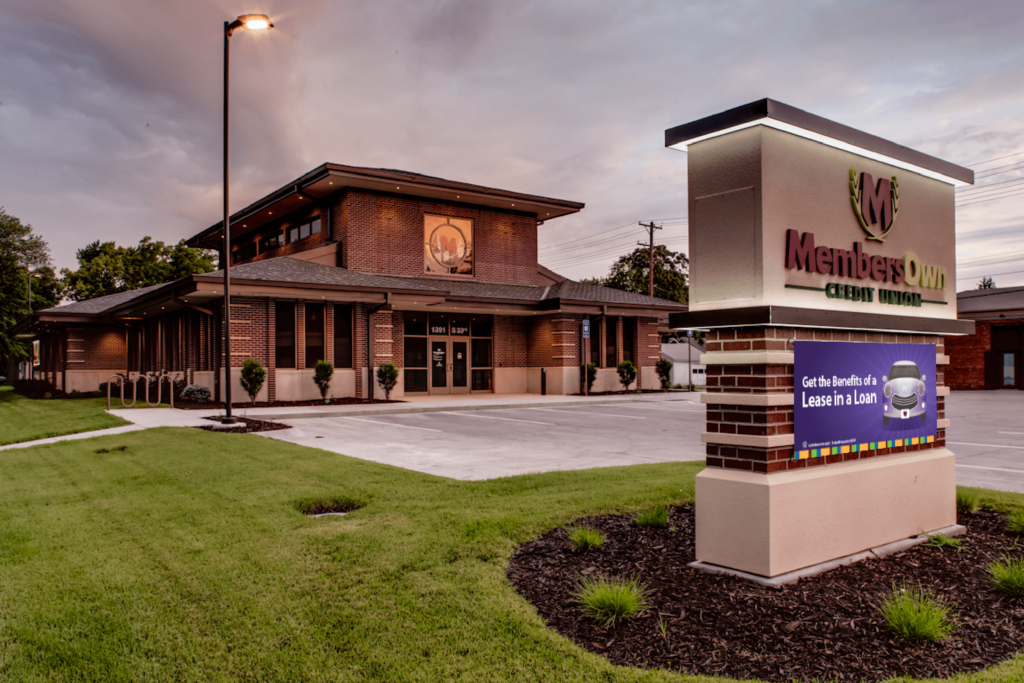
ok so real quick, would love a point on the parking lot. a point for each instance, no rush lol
(482, 444)
(986, 433)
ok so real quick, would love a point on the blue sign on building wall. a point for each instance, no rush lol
(852, 397)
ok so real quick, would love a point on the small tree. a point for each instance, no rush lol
(322, 378)
(252, 377)
(387, 378)
(627, 373)
(664, 369)
(591, 370)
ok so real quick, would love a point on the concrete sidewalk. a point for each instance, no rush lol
(173, 417)
(75, 437)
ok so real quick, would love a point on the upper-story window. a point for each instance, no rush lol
(303, 230)
(271, 241)
(448, 245)
(244, 253)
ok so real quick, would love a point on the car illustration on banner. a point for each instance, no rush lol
(904, 392)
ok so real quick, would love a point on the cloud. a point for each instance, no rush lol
(110, 114)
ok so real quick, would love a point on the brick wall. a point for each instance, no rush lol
(553, 341)
(510, 341)
(766, 379)
(97, 347)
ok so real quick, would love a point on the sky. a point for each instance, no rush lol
(110, 110)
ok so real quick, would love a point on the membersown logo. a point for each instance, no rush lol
(448, 245)
(875, 204)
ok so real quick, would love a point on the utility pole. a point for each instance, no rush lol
(651, 227)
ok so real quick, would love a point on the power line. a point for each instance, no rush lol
(979, 163)
(1013, 192)
(990, 171)
(981, 188)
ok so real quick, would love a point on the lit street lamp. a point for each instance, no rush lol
(250, 22)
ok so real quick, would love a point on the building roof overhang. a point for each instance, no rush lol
(330, 178)
(773, 114)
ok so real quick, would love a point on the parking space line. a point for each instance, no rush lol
(389, 424)
(491, 417)
(986, 445)
(1015, 433)
(666, 410)
(994, 469)
(571, 412)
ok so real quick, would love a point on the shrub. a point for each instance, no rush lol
(656, 517)
(915, 614)
(1015, 522)
(322, 375)
(944, 541)
(1008, 576)
(967, 502)
(196, 393)
(584, 538)
(591, 370)
(664, 369)
(627, 373)
(609, 601)
(75, 393)
(387, 378)
(252, 377)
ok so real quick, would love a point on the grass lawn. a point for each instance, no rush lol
(183, 558)
(26, 419)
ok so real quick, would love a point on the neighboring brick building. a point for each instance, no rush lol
(438, 277)
(991, 357)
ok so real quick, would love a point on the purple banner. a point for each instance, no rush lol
(854, 397)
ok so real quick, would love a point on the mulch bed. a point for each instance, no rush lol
(622, 393)
(246, 426)
(826, 627)
(189, 405)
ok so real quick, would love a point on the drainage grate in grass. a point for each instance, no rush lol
(323, 507)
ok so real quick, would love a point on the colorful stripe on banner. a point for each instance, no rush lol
(860, 448)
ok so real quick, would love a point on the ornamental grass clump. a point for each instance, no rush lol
(915, 615)
(967, 503)
(584, 538)
(609, 601)
(943, 541)
(1008, 576)
(1015, 522)
(655, 518)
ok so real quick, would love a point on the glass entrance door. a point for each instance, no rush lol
(460, 367)
(439, 366)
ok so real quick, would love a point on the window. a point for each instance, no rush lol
(314, 334)
(36, 348)
(448, 245)
(415, 352)
(342, 336)
(595, 341)
(628, 339)
(271, 242)
(284, 334)
(439, 324)
(303, 230)
(244, 253)
(481, 352)
(415, 324)
(460, 325)
(482, 325)
(611, 342)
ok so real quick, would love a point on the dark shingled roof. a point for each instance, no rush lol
(101, 303)
(297, 271)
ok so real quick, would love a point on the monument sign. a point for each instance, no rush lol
(822, 262)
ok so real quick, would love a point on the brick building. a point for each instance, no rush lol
(361, 267)
(990, 358)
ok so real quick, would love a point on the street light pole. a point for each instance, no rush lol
(250, 22)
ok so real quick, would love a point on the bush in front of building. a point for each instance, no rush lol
(591, 370)
(322, 375)
(252, 377)
(196, 393)
(664, 369)
(627, 373)
(387, 378)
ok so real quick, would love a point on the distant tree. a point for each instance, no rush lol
(599, 281)
(987, 283)
(105, 268)
(21, 251)
(629, 273)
